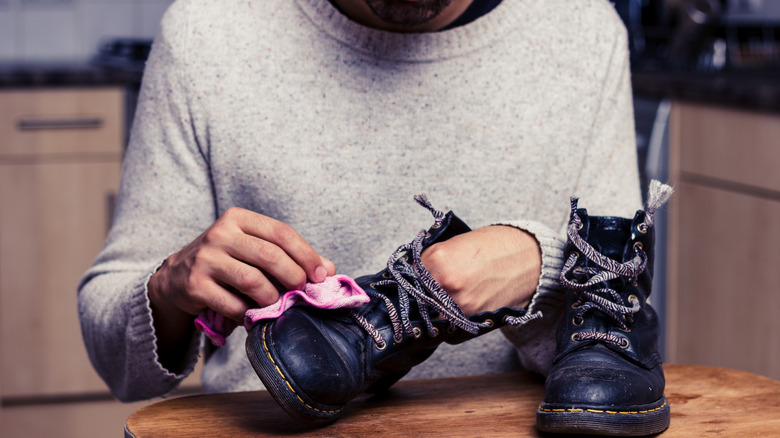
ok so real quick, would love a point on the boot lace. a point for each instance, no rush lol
(584, 281)
(412, 280)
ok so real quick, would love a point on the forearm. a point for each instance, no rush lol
(549, 244)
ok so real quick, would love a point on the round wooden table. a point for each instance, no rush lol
(704, 401)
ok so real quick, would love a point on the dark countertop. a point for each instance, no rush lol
(753, 90)
(756, 90)
(66, 74)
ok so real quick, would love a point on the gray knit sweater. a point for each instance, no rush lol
(288, 108)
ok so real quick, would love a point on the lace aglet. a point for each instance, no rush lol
(422, 199)
(574, 203)
(657, 195)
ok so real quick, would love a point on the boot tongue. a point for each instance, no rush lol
(449, 227)
(608, 235)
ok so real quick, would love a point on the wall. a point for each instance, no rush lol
(71, 30)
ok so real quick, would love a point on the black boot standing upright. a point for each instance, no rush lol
(607, 377)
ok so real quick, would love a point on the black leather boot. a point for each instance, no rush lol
(314, 361)
(607, 377)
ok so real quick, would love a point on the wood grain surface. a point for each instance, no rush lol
(705, 401)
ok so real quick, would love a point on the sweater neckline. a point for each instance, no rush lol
(416, 47)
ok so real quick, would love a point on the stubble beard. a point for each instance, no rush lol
(407, 13)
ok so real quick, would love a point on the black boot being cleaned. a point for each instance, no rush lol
(607, 377)
(314, 361)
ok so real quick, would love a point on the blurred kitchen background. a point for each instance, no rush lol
(706, 77)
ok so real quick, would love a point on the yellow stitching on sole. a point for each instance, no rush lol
(596, 411)
(278, 370)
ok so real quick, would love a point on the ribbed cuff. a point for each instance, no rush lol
(143, 361)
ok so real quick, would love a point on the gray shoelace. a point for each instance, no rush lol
(412, 280)
(607, 300)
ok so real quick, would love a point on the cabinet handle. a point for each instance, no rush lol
(36, 124)
(110, 209)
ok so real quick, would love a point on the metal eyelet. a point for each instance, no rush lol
(427, 235)
(489, 323)
(416, 332)
(642, 228)
(575, 254)
(632, 298)
(436, 225)
(382, 346)
(580, 226)
(575, 306)
(372, 285)
(575, 337)
(435, 332)
(577, 321)
(398, 339)
(386, 274)
(624, 343)
(638, 246)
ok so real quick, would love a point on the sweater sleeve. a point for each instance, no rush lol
(608, 185)
(165, 200)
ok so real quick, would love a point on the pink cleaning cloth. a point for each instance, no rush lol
(215, 326)
(335, 292)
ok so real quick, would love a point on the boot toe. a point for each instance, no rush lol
(311, 354)
(596, 378)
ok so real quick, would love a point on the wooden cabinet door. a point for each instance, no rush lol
(723, 292)
(728, 280)
(53, 221)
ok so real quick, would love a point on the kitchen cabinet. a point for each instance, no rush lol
(723, 291)
(60, 164)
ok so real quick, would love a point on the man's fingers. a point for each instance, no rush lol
(241, 278)
(287, 240)
(264, 256)
(212, 295)
(328, 266)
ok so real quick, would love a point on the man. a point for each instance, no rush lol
(280, 141)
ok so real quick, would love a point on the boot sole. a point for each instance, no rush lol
(281, 387)
(631, 421)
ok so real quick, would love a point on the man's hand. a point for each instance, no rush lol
(240, 260)
(486, 269)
